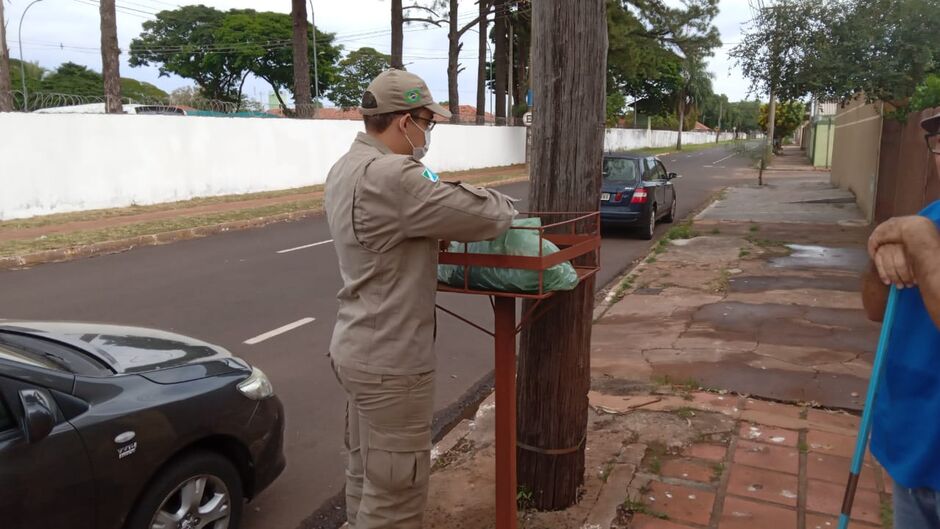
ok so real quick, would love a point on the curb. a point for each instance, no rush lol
(60, 255)
(157, 239)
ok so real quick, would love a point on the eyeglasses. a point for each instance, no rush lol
(933, 142)
(431, 122)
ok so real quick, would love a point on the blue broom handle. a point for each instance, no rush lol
(877, 373)
(864, 430)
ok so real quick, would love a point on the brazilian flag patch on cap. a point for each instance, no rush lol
(413, 95)
(430, 175)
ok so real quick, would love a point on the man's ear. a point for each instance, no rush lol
(403, 123)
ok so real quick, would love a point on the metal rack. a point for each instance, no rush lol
(578, 238)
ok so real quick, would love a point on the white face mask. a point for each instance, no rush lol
(418, 152)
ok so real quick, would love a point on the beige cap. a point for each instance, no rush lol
(398, 91)
(931, 125)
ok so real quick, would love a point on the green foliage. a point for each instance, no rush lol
(837, 49)
(356, 71)
(884, 48)
(778, 42)
(789, 116)
(647, 42)
(219, 49)
(77, 80)
(927, 95)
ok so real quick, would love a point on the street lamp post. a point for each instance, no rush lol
(22, 63)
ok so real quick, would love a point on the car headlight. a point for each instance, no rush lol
(256, 386)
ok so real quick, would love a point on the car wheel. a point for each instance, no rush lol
(201, 490)
(671, 217)
(650, 229)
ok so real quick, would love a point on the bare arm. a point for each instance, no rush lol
(874, 294)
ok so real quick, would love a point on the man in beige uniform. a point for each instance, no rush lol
(387, 213)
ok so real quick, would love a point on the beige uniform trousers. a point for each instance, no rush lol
(388, 445)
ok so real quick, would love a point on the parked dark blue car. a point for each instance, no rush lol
(637, 192)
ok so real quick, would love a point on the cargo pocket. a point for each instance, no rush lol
(398, 461)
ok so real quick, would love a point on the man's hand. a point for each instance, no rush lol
(893, 266)
(897, 230)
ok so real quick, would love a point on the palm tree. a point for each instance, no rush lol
(696, 85)
(110, 62)
(302, 101)
(6, 92)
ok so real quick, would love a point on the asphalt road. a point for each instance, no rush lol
(255, 286)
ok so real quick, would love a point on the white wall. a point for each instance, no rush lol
(57, 163)
(627, 139)
(62, 163)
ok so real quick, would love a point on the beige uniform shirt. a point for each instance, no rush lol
(386, 214)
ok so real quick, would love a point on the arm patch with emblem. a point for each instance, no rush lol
(431, 175)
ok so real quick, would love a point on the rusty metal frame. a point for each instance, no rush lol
(572, 245)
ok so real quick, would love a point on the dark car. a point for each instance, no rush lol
(108, 427)
(637, 192)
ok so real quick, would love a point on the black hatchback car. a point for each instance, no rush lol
(108, 427)
(637, 192)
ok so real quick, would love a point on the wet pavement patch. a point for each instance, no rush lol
(811, 256)
(749, 284)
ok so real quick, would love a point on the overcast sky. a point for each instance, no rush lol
(57, 31)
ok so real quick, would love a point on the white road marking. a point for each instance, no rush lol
(280, 330)
(304, 247)
(725, 158)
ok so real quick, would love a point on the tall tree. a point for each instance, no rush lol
(356, 71)
(484, 6)
(569, 67)
(402, 15)
(6, 90)
(303, 102)
(455, 32)
(501, 57)
(647, 42)
(218, 50)
(182, 42)
(110, 58)
(695, 87)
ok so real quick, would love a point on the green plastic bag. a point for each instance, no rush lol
(514, 242)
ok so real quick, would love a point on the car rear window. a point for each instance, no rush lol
(620, 170)
(48, 354)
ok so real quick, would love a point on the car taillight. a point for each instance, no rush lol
(618, 197)
(639, 196)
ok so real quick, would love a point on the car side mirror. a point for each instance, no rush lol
(672, 176)
(38, 413)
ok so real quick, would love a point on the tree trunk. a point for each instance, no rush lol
(481, 63)
(110, 58)
(501, 58)
(453, 54)
(681, 123)
(302, 101)
(398, 23)
(569, 67)
(6, 91)
(772, 120)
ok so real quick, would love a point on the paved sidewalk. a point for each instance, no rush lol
(758, 302)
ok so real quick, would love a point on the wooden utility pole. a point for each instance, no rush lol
(6, 90)
(481, 62)
(569, 69)
(303, 104)
(110, 58)
(500, 59)
(398, 38)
